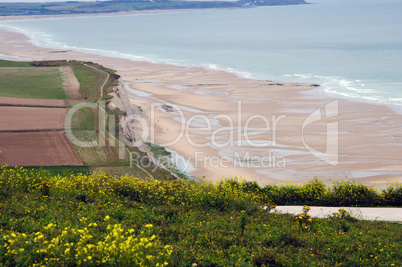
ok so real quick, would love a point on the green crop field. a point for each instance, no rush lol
(83, 119)
(28, 82)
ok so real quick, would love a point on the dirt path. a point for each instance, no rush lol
(70, 83)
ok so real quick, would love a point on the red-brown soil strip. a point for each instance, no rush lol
(29, 102)
(37, 148)
(31, 118)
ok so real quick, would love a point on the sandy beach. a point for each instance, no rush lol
(266, 131)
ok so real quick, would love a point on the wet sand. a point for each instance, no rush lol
(224, 125)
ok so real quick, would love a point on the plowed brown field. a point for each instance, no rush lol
(37, 148)
(31, 118)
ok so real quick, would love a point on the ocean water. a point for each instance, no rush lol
(353, 48)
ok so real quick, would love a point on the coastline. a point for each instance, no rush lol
(208, 101)
(121, 13)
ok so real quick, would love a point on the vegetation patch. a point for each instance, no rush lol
(83, 119)
(57, 170)
(89, 148)
(98, 220)
(347, 193)
(89, 80)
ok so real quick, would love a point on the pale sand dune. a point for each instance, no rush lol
(369, 138)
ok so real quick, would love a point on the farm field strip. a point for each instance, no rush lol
(29, 102)
(37, 148)
(27, 115)
(28, 82)
(31, 118)
(33, 109)
(96, 153)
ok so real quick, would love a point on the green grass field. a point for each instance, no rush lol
(28, 82)
(83, 119)
(90, 80)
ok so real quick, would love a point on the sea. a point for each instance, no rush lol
(352, 48)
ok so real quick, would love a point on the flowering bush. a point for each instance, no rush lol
(83, 246)
(304, 219)
(342, 193)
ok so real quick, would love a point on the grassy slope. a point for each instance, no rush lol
(89, 80)
(27, 82)
(75, 220)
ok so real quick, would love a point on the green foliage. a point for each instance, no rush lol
(96, 154)
(342, 220)
(97, 220)
(83, 119)
(48, 171)
(243, 222)
(90, 81)
(304, 220)
(158, 150)
(391, 196)
(350, 193)
(342, 193)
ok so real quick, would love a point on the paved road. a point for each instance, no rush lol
(379, 214)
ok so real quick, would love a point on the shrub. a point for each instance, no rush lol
(349, 193)
(304, 220)
(391, 196)
(313, 191)
(342, 193)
